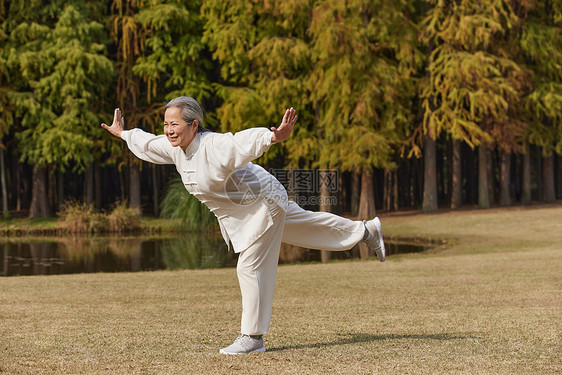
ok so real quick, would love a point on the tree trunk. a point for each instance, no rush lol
(413, 181)
(134, 187)
(355, 191)
(155, 190)
(395, 189)
(470, 168)
(367, 197)
(5, 210)
(419, 178)
(39, 204)
(52, 192)
(122, 184)
(505, 178)
(526, 188)
(429, 175)
(342, 195)
(366, 205)
(98, 187)
(483, 197)
(324, 206)
(491, 175)
(549, 193)
(387, 187)
(90, 184)
(429, 200)
(558, 177)
(456, 187)
(60, 190)
(17, 166)
(440, 179)
(539, 174)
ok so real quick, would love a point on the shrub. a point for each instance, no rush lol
(123, 218)
(179, 204)
(81, 218)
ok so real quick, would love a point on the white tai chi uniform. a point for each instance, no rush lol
(251, 206)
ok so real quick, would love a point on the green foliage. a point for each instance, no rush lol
(64, 69)
(338, 63)
(239, 35)
(540, 43)
(368, 78)
(179, 204)
(173, 32)
(358, 83)
(229, 31)
(473, 87)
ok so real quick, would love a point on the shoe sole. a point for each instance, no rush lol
(260, 350)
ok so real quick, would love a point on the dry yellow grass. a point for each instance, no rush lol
(489, 302)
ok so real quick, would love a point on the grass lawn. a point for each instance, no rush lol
(488, 302)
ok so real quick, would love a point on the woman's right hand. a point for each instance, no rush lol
(118, 124)
(284, 130)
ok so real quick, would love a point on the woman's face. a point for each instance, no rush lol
(179, 132)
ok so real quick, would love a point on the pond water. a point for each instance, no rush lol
(66, 255)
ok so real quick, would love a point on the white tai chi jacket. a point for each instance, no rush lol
(216, 168)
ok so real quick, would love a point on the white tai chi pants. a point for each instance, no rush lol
(257, 265)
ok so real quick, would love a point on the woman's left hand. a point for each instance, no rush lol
(284, 130)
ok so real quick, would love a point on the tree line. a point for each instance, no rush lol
(415, 103)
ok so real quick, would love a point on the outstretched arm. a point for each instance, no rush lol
(118, 124)
(146, 146)
(284, 130)
(234, 151)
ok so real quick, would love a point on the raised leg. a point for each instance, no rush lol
(321, 230)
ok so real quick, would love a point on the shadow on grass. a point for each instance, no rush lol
(354, 338)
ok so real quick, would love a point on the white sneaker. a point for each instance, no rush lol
(244, 344)
(374, 237)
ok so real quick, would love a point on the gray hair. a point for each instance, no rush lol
(190, 110)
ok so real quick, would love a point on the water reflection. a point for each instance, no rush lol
(196, 252)
(47, 256)
(64, 255)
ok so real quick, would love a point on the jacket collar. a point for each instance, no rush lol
(193, 146)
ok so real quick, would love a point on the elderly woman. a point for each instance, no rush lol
(252, 207)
